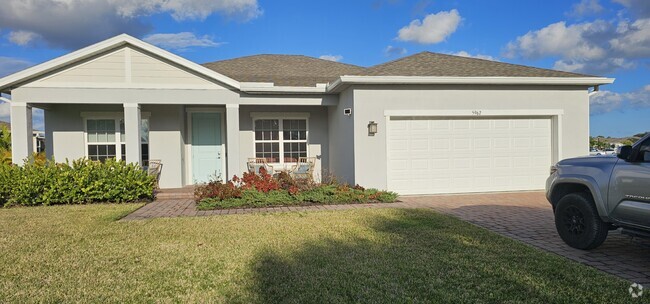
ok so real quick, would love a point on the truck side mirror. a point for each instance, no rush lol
(624, 152)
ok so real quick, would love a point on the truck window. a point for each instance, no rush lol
(644, 151)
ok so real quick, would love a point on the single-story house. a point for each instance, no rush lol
(423, 124)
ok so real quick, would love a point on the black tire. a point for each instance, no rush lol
(578, 223)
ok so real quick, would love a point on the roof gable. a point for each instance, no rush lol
(99, 49)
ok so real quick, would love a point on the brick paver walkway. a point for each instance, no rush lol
(525, 216)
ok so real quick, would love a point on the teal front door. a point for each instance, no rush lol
(206, 147)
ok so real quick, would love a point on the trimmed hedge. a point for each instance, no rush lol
(82, 181)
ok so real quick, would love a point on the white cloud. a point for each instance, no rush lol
(189, 9)
(180, 41)
(334, 58)
(434, 28)
(604, 102)
(633, 39)
(597, 47)
(10, 65)
(603, 66)
(74, 23)
(23, 37)
(586, 7)
(607, 101)
(639, 98)
(479, 56)
(391, 51)
(572, 42)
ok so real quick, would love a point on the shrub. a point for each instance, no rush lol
(253, 190)
(82, 181)
(263, 181)
(216, 189)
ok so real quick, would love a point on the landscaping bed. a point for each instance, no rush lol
(265, 190)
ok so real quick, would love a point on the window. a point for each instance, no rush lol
(105, 138)
(295, 139)
(280, 140)
(644, 151)
(101, 139)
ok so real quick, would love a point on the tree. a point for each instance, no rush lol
(627, 142)
(598, 142)
(5, 138)
(5, 145)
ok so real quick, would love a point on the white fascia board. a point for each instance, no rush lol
(103, 46)
(260, 88)
(587, 81)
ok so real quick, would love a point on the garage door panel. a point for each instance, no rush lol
(482, 162)
(462, 144)
(461, 124)
(434, 155)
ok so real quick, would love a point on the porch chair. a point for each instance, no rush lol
(304, 168)
(154, 168)
(255, 164)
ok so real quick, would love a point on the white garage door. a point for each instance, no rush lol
(459, 155)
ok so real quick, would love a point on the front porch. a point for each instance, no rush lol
(195, 143)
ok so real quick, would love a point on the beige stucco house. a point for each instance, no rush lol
(444, 124)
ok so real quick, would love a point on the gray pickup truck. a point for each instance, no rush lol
(592, 195)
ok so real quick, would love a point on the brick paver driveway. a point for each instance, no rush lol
(524, 216)
(528, 217)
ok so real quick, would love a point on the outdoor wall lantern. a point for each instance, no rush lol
(372, 128)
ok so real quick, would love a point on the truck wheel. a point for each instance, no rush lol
(578, 223)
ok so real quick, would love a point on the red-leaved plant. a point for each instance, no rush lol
(263, 182)
(217, 189)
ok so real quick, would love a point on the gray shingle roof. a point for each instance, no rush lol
(435, 64)
(298, 70)
(283, 70)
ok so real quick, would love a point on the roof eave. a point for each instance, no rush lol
(344, 81)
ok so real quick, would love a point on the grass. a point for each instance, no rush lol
(81, 254)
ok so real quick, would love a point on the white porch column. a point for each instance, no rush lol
(132, 133)
(232, 140)
(21, 132)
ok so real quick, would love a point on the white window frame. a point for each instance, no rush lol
(281, 141)
(115, 116)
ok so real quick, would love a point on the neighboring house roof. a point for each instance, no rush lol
(435, 64)
(283, 70)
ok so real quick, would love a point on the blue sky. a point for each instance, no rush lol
(601, 37)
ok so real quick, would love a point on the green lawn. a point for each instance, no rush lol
(81, 254)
